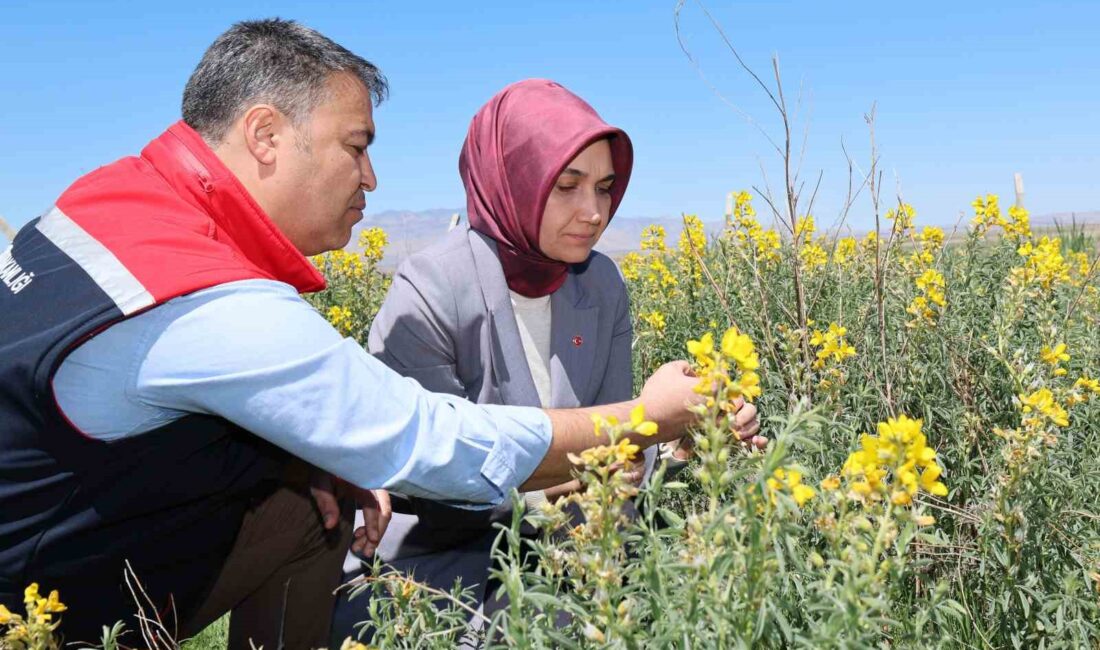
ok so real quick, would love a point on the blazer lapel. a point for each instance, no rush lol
(511, 374)
(573, 345)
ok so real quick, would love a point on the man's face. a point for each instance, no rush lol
(329, 171)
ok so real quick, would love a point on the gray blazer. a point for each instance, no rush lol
(448, 323)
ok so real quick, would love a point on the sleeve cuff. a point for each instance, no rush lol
(524, 436)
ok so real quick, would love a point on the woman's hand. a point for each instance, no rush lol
(745, 422)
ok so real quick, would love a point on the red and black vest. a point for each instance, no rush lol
(123, 239)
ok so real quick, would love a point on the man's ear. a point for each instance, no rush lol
(264, 128)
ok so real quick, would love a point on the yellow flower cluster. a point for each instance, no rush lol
(927, 306)
(898, 462)
(1044, 265)
(693, 241)
(655, 319)
(741, 221)
(1020, 224)
(868, 243)
(804, 228)
(631, 266)
(659, 274)
(1041, 404)
(813, 256)
(845, 251)
(650, 266)
(739, 210)
(341, 318)
(621, 450)
(902, 217)
(653, 239)
(35, 630)
(928, 242)
(831, 345)
(790, 480)
(987, 214)
(373, 242)
(1053, 357)
(714, 365)
(1084, 388)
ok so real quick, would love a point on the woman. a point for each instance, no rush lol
(514, 309)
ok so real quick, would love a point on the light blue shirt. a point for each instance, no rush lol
(255, 353)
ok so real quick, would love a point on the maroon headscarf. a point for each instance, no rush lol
(517, 146)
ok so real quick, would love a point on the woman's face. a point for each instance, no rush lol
(577, 210)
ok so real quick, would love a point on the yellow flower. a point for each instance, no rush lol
(902, 217)
(30, 594)
(702, 349)
(747, 386)
(925, 520)
(1053, 356)
(790, 479)
(768, 245)
(639, 424)
(738, 347)
(987, 213)
(1020, 227)
(930, 483)
(870, 241)
(931, 237)
(830, 483)
(5, 615)
(655, 319)
(845, 251)
(900, 449)
(804, 226)
(1044, 264)
(631, 266)
(653, 238)
(1091, 385)
(1043, 401)
(813, 256)
(832, 345)
(341, 319)
(373, 242)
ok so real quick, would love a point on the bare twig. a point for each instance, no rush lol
(153, 631)
(880, 262)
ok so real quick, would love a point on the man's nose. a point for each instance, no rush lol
(369, 181)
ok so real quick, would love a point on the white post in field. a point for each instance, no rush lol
(1019, 189)
(6, 230)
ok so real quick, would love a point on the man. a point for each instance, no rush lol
(159, 371)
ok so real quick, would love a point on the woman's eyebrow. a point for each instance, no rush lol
(582, 174)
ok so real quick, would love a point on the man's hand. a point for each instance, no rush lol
(327, 490)
(376, 517)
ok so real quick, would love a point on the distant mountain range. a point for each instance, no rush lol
(410, 231)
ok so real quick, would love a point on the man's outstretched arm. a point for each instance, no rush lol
(254, 353)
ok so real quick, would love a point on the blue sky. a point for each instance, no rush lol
(967, 92)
